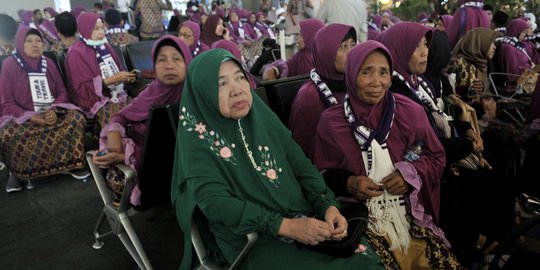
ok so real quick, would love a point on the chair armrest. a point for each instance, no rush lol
(202, 253)
(104, 191)
(251, 239)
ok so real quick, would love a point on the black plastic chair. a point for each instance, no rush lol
(121, 52)
(261, 92)
(154, 183)
(285, 93)
(139, 55)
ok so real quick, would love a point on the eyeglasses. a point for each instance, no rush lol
(186, 36)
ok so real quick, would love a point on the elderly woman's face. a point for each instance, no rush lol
(235, 98)
(33, 46)
(170, 66)
(99, 31)
(418, 62)
(374, 78)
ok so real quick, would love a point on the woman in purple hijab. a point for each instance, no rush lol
(517, 55)
(468, 16)
(190, 33)
(122, 140)
(326, 87)
(49, 13)
(364, 146)
(235, 50)
(94, 72)
(443, 22)
(28, 19)
(302, 61)
(374, 27)
(78, 10)
(408, 44)
(41, 132)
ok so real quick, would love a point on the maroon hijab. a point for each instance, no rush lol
(209, 30)
(196, 29)
(157, 93)
(15, 93)
(302, 61)
(515, 27)
(235, 50)
(335, 147)
(466, 18)
(401, 40)
(325, 46)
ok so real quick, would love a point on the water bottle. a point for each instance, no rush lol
(414, 152)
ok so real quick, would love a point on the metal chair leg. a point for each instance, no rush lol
(133, 245)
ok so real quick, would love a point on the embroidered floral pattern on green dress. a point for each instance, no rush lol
(219, 145)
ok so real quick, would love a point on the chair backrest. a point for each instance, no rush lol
(121, 52)
(158, 155)
(140, 56)
(261, 92)
(58, 59)
(285, 93)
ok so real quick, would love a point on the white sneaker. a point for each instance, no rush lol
(2, 166)
(13, 184)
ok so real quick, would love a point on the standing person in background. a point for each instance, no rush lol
(351, 12)
(49, 13)
(123, 7)
(151, 23)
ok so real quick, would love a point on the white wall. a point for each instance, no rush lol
(10, 7)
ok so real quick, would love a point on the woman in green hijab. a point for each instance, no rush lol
(239, 165)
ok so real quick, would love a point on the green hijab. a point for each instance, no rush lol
(210, 149)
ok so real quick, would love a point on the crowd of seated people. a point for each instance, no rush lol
(408, 123)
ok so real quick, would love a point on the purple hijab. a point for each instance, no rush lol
(307, 105)
(196, 29)
(325, 46)
(51, 11)
(156, 93)
(302, 61)
(84, 74)
(48, 27)
(465, 19)
(235, 50)
(28, 17)
(401, 41)
(336, 148)
(447, 20)
(516, 27)
(15, 94)
(372, 31)
(78, 10)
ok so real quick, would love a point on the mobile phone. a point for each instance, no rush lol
(137, 73)
(224, 31)
(101, 153)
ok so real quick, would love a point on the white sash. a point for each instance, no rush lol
(387, 213)
(108, 68)
(41, 93)
(241, 32)
(257, 31)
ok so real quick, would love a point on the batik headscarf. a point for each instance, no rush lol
(248, 157)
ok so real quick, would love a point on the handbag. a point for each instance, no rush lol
(357, 219)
